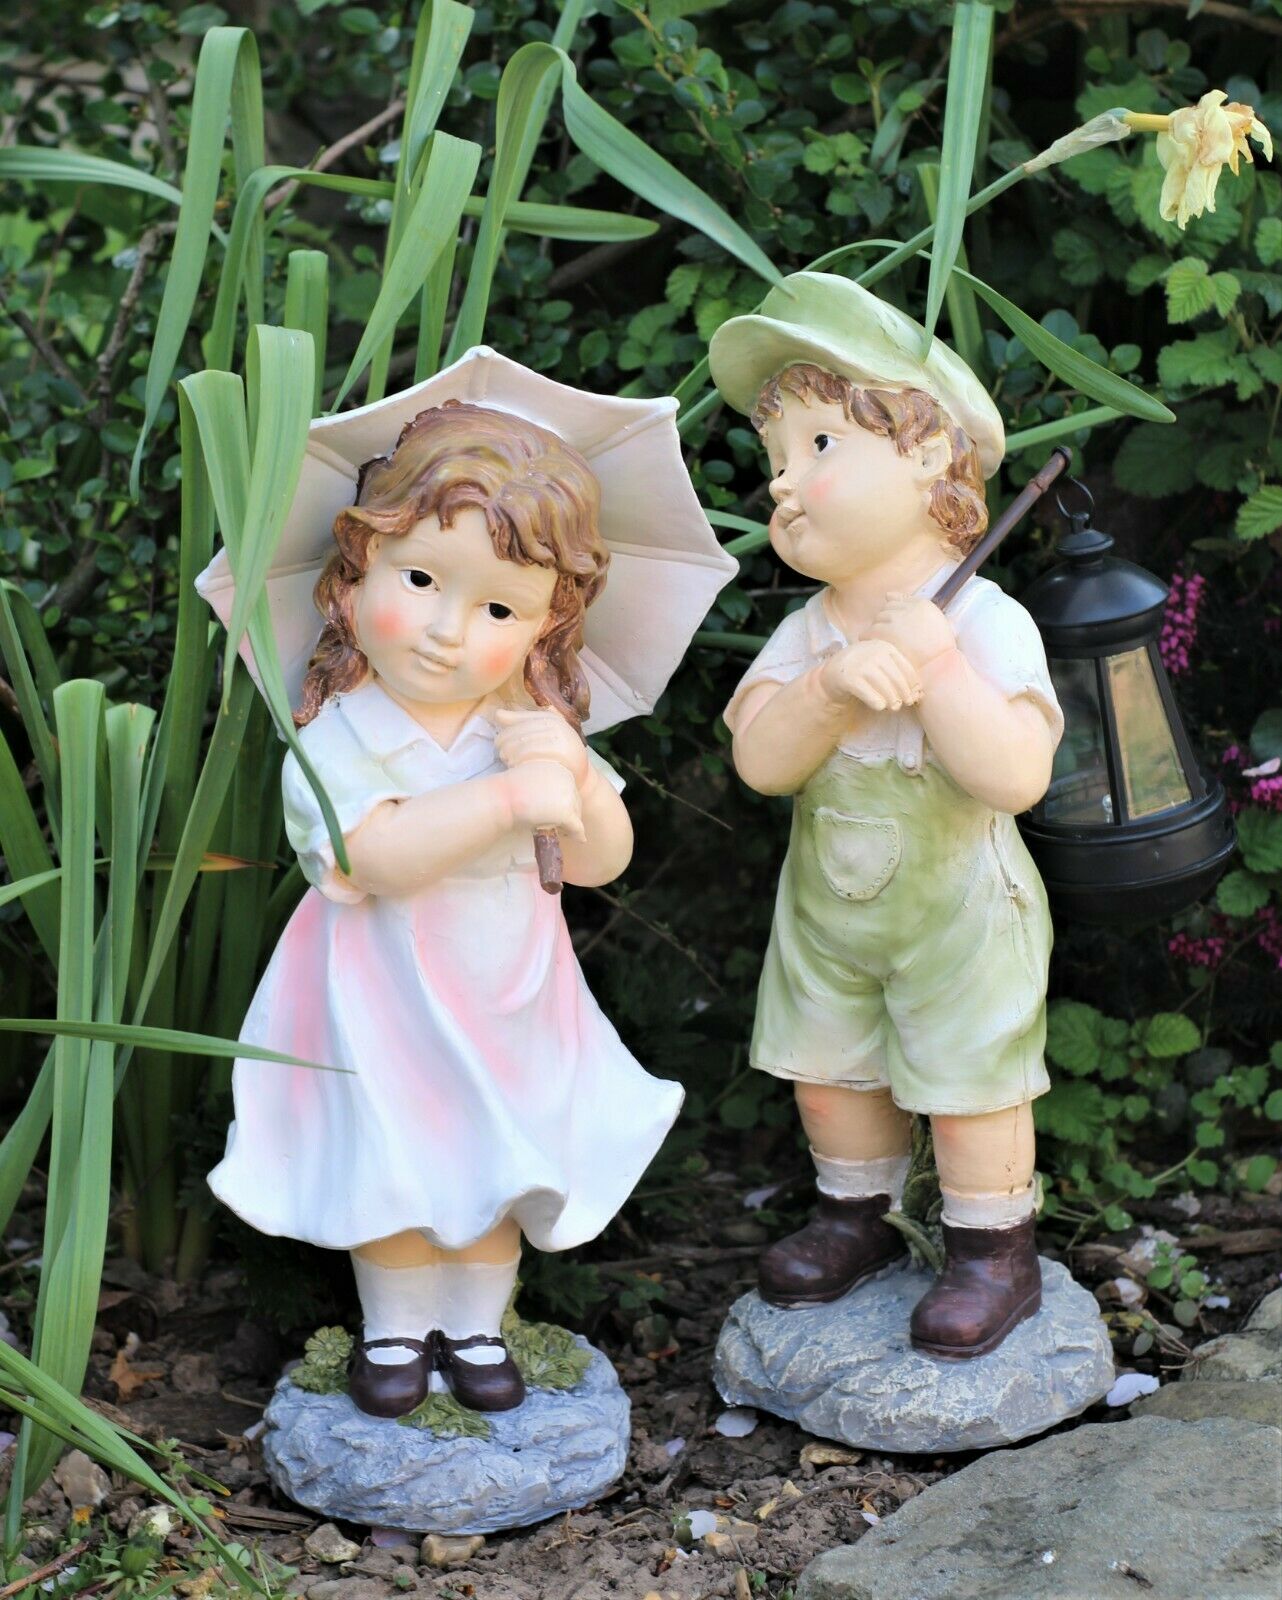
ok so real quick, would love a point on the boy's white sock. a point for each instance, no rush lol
(396, 1303)
(473, 1296)
(857, 1180)
(988, 1210)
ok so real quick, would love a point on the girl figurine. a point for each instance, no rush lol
(485, 1096)
(907, 963)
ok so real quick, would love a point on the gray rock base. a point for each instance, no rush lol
(847, 1371)
(1154, 1508)
(557, 1451)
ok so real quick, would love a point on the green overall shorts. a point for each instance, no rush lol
(910, 944)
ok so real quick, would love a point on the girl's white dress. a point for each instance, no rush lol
(483, 1080)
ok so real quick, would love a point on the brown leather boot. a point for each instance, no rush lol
(844, 1242)
(382, 1390)
(991, 1282)
(498, 1386)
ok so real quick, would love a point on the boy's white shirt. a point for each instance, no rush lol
(994, 633)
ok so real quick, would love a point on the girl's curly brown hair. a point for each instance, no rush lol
(908, 417)
(541, 504)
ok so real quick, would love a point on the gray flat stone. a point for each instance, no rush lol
(1252, 1356)
(557, 1451)
(1153, 1508)
(1214, 1397)
(847, 1371)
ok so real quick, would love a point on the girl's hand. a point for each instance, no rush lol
(917, 628)
(543, 794)
(874, 672)
(541, 736)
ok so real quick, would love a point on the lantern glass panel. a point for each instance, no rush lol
(1152, 776)
(1079, 792)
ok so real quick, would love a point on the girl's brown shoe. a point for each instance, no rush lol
(497, 1386)
(383, 1389)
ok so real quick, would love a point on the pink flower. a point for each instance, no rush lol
(1267, 792)
(1179, 622)
(1269, 934)
(1208, 952)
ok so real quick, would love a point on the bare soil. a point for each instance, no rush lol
(199, 1370)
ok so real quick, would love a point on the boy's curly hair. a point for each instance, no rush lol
(908, 417)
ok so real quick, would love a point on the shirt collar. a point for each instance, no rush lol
(384, 727)
(823, 635)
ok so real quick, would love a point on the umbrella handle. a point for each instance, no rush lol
(1032, 491)
(547, 854)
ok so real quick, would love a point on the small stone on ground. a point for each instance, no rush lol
(1150, 1507)
(847, 1370)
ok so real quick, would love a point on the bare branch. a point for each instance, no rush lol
(337, 150)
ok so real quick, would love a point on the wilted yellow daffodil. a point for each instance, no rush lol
(1194, 144)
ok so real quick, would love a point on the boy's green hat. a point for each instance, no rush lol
(832, 323)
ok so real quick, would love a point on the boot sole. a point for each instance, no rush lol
(968, 1352)
(795, 1302)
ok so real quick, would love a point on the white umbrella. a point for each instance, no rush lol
(666, 566)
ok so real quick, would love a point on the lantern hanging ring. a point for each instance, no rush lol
(1075, 519)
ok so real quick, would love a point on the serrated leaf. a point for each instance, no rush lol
(1261, 514)
(1073, 1112)
(683, 284)
(1259, 837)
(1207, 361)
(1156, 461)
(1078, 257)
(1225, 288)
(1241, 894)
(1170, 1033)
(1072, 1036)
(1268, 241)
(1222, 465)
(1188, 290)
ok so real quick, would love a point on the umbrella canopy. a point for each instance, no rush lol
(666, 566)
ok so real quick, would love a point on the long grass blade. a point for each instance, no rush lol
(227, 82)
(80, 1149)
(1048, 432)
(147, 1038)
(432, 223)
(963, 314)
(307, 307)
(1083, 374)
(39, 165)
(25, 852)
(967, 81)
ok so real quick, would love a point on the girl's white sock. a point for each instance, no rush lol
(988, 1210)
(857, 1180)
(396, 1303)
(473, 1296)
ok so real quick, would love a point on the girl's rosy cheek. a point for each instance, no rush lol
(388, 622)
(500, 660)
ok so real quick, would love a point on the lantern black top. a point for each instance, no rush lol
(1094, 603)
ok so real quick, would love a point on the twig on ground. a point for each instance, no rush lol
(29, 1579)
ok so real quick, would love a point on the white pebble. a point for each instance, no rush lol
(736, 1423)
(702, 1523)
(1130, 1386)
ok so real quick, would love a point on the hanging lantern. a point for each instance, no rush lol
(1131, 828)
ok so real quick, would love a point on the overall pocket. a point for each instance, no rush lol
(857, 855)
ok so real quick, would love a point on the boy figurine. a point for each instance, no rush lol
(907, 963)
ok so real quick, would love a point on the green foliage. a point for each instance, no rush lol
(549, 1357)
(323, 1369)
(442, 1415)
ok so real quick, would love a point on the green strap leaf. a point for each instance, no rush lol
(227, 80)
(967, 81)
(1085, 375)
(146, 1038)
(307, 307)
(433, 222)
(39, 165)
